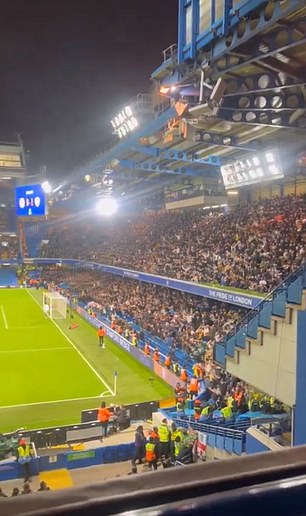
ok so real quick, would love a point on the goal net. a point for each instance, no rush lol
(55, 305)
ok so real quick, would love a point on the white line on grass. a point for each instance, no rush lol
(4, 318)
(52, 402)
(35, 350)
(76, 349)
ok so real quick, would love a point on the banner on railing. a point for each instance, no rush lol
(218, 293)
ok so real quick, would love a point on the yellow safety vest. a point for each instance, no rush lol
(205, 411)
(175, 434)
(24, 452)
(177, 449)
(163, 433)
(226, 412)
(150, 452)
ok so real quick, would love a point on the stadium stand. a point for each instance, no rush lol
(253, 247)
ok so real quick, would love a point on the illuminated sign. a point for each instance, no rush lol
(252, 169)
(125, 122)
(30, 201)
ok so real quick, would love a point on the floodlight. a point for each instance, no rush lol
(270, 157)
(47, 188)
(87, 178)
(107, 207)
(256, 161)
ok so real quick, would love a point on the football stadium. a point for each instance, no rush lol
(153, 258)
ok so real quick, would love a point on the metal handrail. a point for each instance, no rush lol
(210, 429)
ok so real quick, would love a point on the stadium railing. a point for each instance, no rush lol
(228, 439)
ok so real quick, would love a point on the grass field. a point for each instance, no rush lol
(50, 373)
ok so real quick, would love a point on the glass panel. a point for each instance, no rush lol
(204, 16)
(188, 24)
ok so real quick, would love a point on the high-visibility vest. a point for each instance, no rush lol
(184, 375)
(150, 452)
(193, 386)
(175, 434)
(24, 453)
(147, 349)
(226, 412)
(168, 361)
(205, 411)
(156, 356)
(177, 449)
(163, 433)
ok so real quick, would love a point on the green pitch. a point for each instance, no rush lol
(49, 373)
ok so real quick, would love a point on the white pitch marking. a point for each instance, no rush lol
(34, 350)
(76, 349)
(51, 402)
(4, 318)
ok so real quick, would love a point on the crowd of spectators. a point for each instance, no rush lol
(254, 246)
(8, 246)
(184, 321)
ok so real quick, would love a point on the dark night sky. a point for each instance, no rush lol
(68, 65)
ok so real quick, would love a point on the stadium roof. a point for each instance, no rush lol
(234, 90)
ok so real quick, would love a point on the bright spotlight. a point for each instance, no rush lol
(107, 207)
(87, 178)
(47, 188)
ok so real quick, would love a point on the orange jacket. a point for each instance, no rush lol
(168, 361)
(184, 376)
(147, 349)
(103, 415)
(193, 386)
(156, 356)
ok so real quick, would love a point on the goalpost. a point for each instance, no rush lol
(55, 305)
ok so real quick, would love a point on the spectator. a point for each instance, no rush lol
(43, 486)
(140, 442)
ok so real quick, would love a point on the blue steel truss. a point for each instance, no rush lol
(216, 37)
(150, 166)
(176, 155)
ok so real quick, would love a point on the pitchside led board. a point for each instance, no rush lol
(30, 201)
(252, 169)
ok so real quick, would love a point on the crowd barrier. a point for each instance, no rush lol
(137, 412)
(10, 469)
(226, 295)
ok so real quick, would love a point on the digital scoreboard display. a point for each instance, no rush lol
(30, 201)
(252, 169)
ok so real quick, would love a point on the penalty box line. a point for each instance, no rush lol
(53, 402)
(75, 348)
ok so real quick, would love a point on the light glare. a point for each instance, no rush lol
(47, 188)
(107, 207)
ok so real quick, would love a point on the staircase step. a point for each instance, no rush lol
(253, 327)
(294, 294)
(279, 303)
(265, 313)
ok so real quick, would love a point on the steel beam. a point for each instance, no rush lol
(262, 48)
(222, 140)
(176, 155)
(265, 118)
(116, 152)
(222, 46)
(265, 101)
(150, 167)
(261, 83)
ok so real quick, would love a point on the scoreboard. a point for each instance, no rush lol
(30, 201)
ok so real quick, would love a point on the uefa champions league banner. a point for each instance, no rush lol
(218, 293)
(121, 341)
